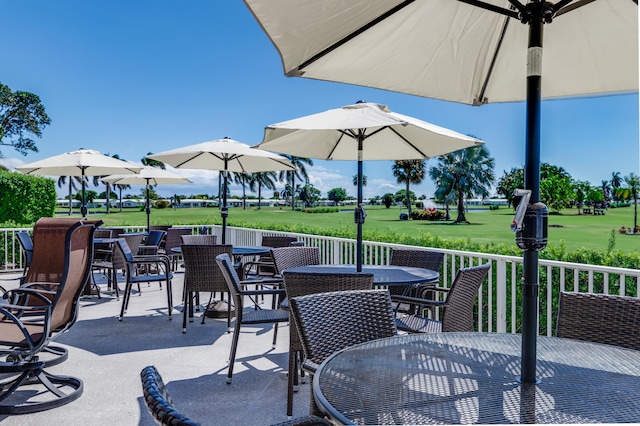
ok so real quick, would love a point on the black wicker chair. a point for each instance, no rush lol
(300, 284)
(200, 239)
(417, 259)
(37, 312)
(329, 322)
(158, 400)
(253, 316)
(202, 274)
(264, 265)
(457, 313)
(600, 318)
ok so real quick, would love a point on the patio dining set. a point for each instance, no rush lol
(380, 346)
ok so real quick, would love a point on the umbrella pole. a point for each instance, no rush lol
(359, 213)
(83, 208)
(148, 208)
(532, 181)
(224, 212)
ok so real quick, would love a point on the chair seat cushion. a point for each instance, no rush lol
(265, 316)
(418, 324)
(146, 278)
(10, 333)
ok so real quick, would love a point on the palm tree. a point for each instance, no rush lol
(240, 179)
(355, 180)
(466, 172)
(266, 179)
(120, 188)
(408, 172)
(616, 181)
(633, 182)
(605, 186)
(62, 180)
(151, 162)
(289, 176)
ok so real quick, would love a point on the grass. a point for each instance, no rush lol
(577, 231)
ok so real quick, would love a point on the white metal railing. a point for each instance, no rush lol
(498, 308)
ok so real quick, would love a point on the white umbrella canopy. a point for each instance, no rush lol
(473, 52)
(148, 176)
(83, 162)
(226, 155)
(363, 131)
(448, 49)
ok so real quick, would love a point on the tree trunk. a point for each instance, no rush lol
(461, 217)
(70, 197)
(120, 199)
(244, 195)
(635, 214)
(447, 215)
(408, 200)
(108, 196)
(259, 194)
(293, 191)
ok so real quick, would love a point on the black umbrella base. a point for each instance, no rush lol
(217, 309)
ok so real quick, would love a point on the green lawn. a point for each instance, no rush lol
(486, 226)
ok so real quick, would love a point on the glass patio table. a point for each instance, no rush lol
(472, 378)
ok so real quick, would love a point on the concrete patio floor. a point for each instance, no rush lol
(107, 355)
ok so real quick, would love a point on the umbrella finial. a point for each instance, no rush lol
(361, 102)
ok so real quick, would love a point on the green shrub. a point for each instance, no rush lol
(25, 198)
(321, 210)
(429, 214)
(162, 204)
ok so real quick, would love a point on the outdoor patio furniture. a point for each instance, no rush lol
(200, 239)
(135, 268)
(301, 284)
(202, 274)
(419, 259)
(26, 244)
(152, 242)
(600, 318)
(290, 257)
(158, 401)
(254, 316)
(457, 312)
(174, 239)
(113, 261)
(34, 314)
(264, 265)
(329, 322)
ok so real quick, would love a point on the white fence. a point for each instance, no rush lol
(498, 299)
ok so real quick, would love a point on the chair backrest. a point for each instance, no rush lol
(102, 233)
(158, 400)
(600, 318)
(329, 322)
(155, 238)
(174, 238)
(202, 272)
(200, 239)
(132, 241)
(277, 240)
(290, 257)
(417, 258)
(232, 280)
(300, 284)
(458, 312)
(27, 246)
(159, 228)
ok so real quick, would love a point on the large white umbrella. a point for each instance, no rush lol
(84, 162)
(363, 131)
(148, 176)
(226, 155)
(469, 51)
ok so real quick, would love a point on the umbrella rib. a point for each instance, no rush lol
(407, 142)
(342, 133)
(351, 36)
(561, 9)
(492, 8)
(480, 99)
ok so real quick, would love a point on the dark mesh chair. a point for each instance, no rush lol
(329, 322)
(202, 274)
(264, 266)
(26, 244)
(253, 316)
(457, 312)
(153, 242)
(600, 318)
(301, 284)
(158, 401)
(44, 307)
(172, 240)
(200, 240)
(417, 259)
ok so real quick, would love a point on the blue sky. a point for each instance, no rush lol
(129, 78)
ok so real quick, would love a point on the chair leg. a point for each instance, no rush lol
(125, 300)
(291, 381)
(275, 335)
(204, 314)
(232, 355)
(185, 307)
(169, 296)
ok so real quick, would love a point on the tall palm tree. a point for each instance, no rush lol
(605, 186)
(408, 172)
(289, 176)
(62, 180)
(468, 172)
(633, 182)
(241, 178)
(260, 179)
(151, 162)
(616, 182)
(120, 188)
(355, 180)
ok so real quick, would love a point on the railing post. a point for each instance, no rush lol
(501, 296)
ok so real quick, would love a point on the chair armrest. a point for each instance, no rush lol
(417, 300)
(150, 258)
(12, 294)
(268, 280)
(258, 292)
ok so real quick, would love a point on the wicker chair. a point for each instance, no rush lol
(457, 313)
(40, 310)
(200, 240)
(417, 259)
(254, 316)
(158, 400)
(173, 239)
(329, 322)
(264, 265)
(290, 257)
(114, 261)
(153, 242)
(202, 273)
(300, 284)
(600, 318)
(134, 265)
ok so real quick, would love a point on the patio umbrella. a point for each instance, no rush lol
(226, 155)
(469, 51)
(363, 131)
(84, 162)
(148, 176)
